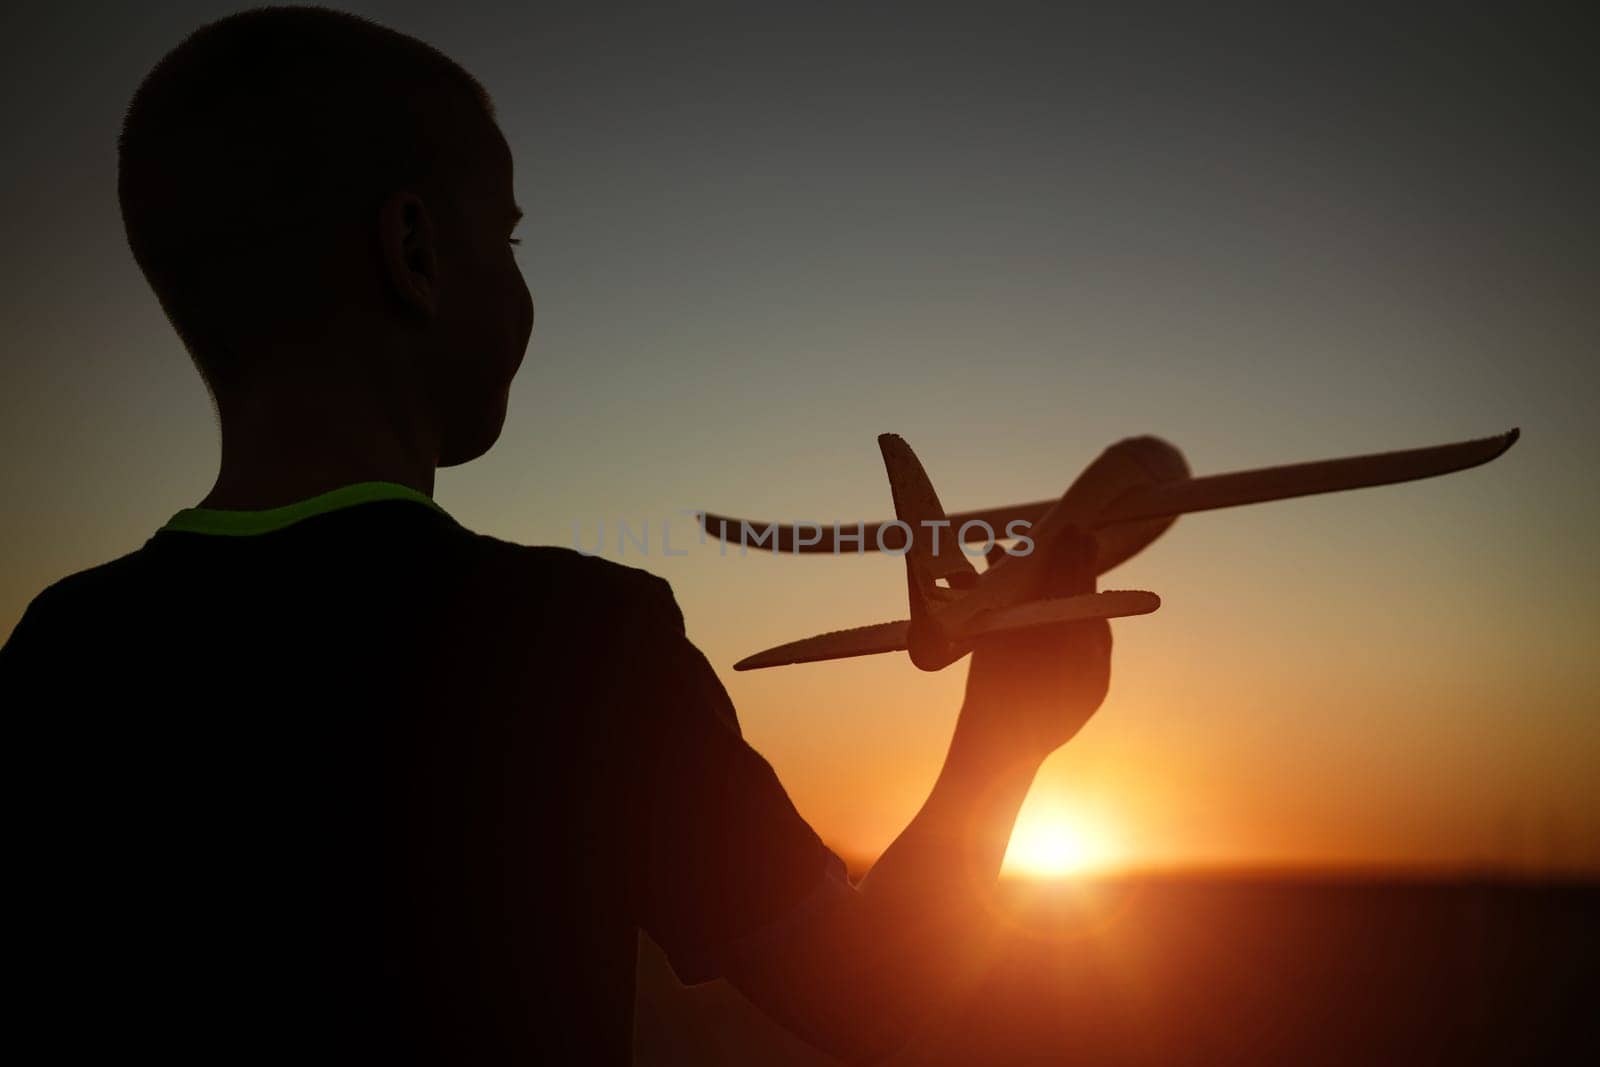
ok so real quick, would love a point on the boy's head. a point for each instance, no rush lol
(317, 199)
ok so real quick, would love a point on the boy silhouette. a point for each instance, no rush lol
(318, 775)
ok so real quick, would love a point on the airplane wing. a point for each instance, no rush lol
(1304, 479)
(881, 535)
(893, 636)
(1171, 498)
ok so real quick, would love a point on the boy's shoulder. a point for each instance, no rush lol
(548, 576)
(600, 584)
(87, 583)
(68, 603)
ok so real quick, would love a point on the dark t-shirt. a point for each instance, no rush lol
(346, 782)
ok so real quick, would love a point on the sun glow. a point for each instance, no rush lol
(1056, 843)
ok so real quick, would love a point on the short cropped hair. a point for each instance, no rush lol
(260, 139)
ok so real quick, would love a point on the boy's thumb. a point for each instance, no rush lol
(1069, 568)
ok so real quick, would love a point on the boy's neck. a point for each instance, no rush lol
(272, 455)
(255, 490)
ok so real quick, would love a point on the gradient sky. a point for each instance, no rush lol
(758, 236)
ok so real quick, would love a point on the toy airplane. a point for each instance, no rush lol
(1127, 497)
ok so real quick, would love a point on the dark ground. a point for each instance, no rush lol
(1229, 970)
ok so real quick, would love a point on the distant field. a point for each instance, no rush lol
(1229, 970)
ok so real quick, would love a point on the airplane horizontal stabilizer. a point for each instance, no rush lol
(838, 644)
(893, 636)
(1110, 604)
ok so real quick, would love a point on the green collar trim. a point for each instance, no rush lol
(249, 523)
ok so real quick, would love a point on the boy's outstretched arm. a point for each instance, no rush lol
(859, 971)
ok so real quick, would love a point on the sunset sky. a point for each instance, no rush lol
(759, 236)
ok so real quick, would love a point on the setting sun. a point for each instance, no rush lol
(1053, 842)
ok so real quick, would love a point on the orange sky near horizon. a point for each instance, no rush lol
(1266, 240)
(1392, 677)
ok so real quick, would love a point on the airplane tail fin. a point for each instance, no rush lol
(936, 568)
(934, 560)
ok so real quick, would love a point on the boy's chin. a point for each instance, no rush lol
(467, 442)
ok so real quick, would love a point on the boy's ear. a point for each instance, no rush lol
(410, 256)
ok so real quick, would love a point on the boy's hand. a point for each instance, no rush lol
(1030, 691)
